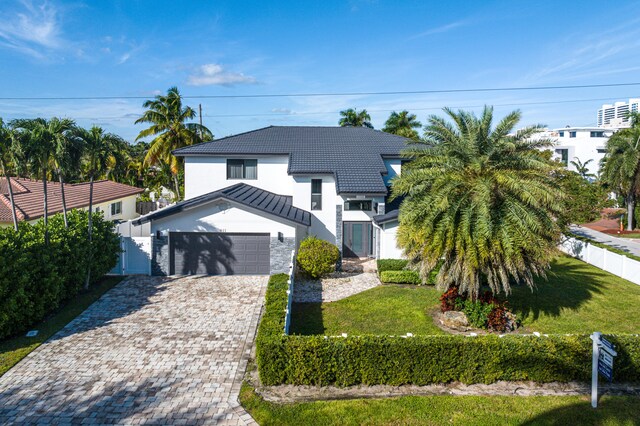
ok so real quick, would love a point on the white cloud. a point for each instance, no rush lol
(35, 30)
(442, 29)
(215, 74)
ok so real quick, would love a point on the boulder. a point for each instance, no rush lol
(455, 320)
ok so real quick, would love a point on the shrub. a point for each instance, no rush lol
(400, 277)
(450, 299)
(477, 312)
(391, 265)
(422, 360)
(35, 278)
(317, 257)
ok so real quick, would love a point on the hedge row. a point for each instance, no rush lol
(35, 277)
(391, 265)
(421, 360)
(400, 277)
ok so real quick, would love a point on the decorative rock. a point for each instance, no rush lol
(455, 319)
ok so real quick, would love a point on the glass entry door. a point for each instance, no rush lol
(356, 237)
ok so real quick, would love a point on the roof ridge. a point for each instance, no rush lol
(221, 139)
(7, 202)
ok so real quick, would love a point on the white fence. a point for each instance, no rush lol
(292, 271)
(614, 263)
(135, 257)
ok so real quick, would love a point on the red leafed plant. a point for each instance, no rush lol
(449, 299)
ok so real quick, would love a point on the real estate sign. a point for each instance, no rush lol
(602, 363)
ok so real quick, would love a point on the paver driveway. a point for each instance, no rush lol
(150, 351)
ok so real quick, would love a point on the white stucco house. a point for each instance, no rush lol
(251, 198)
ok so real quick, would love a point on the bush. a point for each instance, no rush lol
(400, 277)
(477, 312)
(450, 299)
(317, 257)
(391, 265)
(422, 360)
(35, 278)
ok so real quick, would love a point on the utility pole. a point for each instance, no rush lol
(200, 111)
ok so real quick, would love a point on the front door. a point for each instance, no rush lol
(356, 237)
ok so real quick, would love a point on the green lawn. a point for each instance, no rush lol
(576, 298)
(446, 409)
(14, 349)
(630, 235)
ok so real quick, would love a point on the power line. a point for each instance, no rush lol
(293, 95)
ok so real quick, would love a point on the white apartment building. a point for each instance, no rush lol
(615, 116)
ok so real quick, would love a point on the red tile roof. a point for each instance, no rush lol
(28, 196)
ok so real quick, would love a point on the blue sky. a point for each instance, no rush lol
(141, 48)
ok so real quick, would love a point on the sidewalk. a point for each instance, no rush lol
(615, 242)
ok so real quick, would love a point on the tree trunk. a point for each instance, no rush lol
(90, 230)
(64, 202)
(46, 211)
(13, 205)
(177, 185)
(631, 204)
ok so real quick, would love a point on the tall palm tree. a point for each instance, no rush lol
(481, 199)
(621, 165)
(352, 118)
(43, 137)
(582, 168)
(6, 141)
(66, 161)
(98, 149)
(168, 119)
(402, 124)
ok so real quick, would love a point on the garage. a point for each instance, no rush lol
(219, 253)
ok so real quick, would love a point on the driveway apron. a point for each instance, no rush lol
(150, 351)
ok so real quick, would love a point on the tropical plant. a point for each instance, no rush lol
(352, 118)
(582, 168)
(40, 142)
(6, 140)
(402, 124)
(584, 199)
(168, 119)
(620, 167)
(98, 149)
(481, 200)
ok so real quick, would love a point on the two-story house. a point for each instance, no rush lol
(251, 198)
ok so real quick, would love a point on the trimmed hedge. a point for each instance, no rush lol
(391, 265)
(35, 278)
(400, 277)
(421, 360)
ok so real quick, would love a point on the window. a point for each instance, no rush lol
(116, 208)
(316, 194)
(572, 134)
(242, 169)
(601, 150)
(597, 134)
(561, 134)
(362, 205)
(564, 155)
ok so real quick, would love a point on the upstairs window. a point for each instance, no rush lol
(316, 194)
(572, 134)
(597, 134)
(361, 205)
(561, 134)
(242, 169)
(116, 208)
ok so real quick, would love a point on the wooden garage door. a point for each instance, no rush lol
(212, 253)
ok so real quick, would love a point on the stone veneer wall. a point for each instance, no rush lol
(159, 255)
(281, 254)
(339, 234)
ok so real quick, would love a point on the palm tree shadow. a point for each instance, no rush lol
(306, 319)
(621, 410)
(202, 253)
(568, 286)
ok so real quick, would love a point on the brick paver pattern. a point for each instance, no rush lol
(150, 351)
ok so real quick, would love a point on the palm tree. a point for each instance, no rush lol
(43, 137)
(353, 118)
(480, 199)
(621, 165)
(98, 148)
(6, 140)
(168, 119)
(66, 161)
(402, 124)
(582, 168)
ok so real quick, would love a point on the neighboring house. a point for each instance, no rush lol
(117, 201)
(250, 199)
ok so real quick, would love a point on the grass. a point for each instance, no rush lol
(446, 409)
(12, 350)
(630, 235)
(576, 298)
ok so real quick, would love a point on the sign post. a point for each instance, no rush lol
(601, 363)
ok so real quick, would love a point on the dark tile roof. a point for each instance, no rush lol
(387, 217)
(268, 202)
(354, 155)
(28, 196)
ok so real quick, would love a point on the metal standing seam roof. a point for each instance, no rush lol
(241, 193)
(354, 155)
